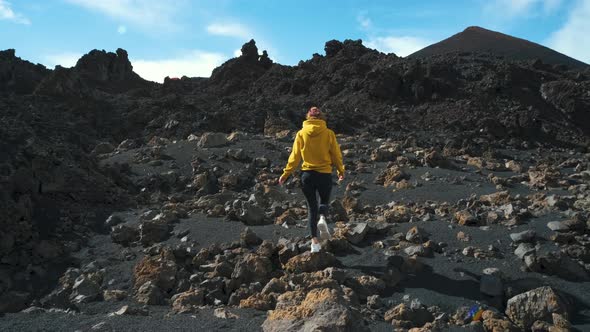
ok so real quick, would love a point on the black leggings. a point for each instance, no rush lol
(313, 182)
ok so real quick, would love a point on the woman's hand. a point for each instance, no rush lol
(340, 178)
(282, 180)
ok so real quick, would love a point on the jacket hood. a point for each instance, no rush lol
(313, 127)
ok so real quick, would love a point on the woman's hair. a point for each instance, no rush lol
(315, 113)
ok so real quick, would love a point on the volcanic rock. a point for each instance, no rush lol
(477, 39)
(149, 294)
(252, 268)
(402, 316)
(321, 309)
(249, 238)
(356, 233)
(537, 304)
(308, 262)
(160, 270)
(188, 301)
(212, 140)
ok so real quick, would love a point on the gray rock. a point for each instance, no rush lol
(102, 148)
(524, 249)
(557, 226)
(85, 290)
(211, 140)
(151, 232)
(418, 250)
(124, 235)
(252, 215)
(249, 238)
(525, 236)
(357, 233)
(374, 302)
(149, 294)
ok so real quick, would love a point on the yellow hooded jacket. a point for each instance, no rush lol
(317, 146)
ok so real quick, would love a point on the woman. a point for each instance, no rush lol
(317, 146)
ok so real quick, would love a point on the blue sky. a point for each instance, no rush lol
(191, 37)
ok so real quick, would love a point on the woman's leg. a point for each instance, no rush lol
(309, 190)
(324, 189)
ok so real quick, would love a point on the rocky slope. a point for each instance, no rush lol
(113, 177)
(479, 40)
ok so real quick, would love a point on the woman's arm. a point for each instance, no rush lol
(294, 158)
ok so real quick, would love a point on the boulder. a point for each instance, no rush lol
(149, 294)
(355, 234)
(259, 301)
(537, 304)
(85, 289)
(160, 270)
(250, 268)
(321, 309)
(188, 301)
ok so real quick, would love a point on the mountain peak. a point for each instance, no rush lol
(480, 40)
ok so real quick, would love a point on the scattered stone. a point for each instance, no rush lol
(249, 238)
(224, 313)
(524, 236)
(524, 249)
(416, 235)
(124, 235)
(557, 226)
(212, 140)
(356, 234)
(131, 311)
(151, 232)
(465, 218)
(404, 316)
(188, 301)
(149, 294)
(114, 295)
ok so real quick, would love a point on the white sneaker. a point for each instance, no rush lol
(323, 228)
(316, 247)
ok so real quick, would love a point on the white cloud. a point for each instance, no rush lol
(229, 30)
(145, 13)
(364, 22)
(573, 38)
(63, 59)
(121, 29)
(193, 64)
(6, 13)
(401, 46)
(511, 8)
